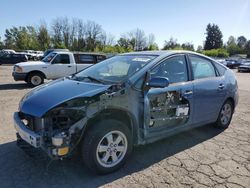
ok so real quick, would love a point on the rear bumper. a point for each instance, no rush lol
(19, 76)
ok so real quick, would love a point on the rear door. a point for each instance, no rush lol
(170, 107)
(61, 66)
(209, 89)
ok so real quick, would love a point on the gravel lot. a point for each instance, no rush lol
(203, 157)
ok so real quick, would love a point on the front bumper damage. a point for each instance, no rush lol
(27, 135)
(58, 146)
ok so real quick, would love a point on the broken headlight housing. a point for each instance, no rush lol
(66, 114)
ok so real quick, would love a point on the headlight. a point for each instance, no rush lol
(18, 69)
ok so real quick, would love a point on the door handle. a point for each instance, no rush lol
(69, 66)
(221, 86)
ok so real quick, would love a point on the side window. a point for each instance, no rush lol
(202, 68)
(174, 68)
(86, 59)
(220, 68)
(61, 59)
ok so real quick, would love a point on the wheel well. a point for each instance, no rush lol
(116, 114)
(232, 100)
(35, 72)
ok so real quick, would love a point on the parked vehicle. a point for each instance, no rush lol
(232, 63)
(130, 99)
(47, 52)
(54, 66)
(39, 55)
(31, 54)
(244, 67)
(8, 51)
(12, 58)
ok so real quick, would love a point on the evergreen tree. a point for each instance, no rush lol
(213, 38)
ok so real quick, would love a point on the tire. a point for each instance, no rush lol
(100, 146)
(225, 116)
(35, 79)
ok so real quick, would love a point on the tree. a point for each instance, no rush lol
(43, 37)
(125, 44)
(57, 37)
(213, 38)
(247, 47)
(10, 35)
(151, 44)
(21, 38)
(93, 32)
(231, 41)
(232, 47)
(241, 42)
(1, 44)
(171, 44)
(188, 46)
(199, 49)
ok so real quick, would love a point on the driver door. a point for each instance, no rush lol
(170, 107)
(61, 66)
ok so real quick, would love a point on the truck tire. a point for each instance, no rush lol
(225, 115)
(35, 79)
(106, 146)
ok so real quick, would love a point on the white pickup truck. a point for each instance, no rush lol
(53, 66)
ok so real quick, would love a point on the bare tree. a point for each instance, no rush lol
(43, 36)
(57, 28)
(66, 30)
(138, 38)
(93, 33)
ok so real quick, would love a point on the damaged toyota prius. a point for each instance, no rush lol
(127, 100)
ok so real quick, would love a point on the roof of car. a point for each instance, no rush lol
(160, 52)
(85, 53)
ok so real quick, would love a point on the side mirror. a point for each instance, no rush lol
(158, 82)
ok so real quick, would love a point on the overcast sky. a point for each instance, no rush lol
(185, 20)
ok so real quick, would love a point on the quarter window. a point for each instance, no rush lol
(202, 68)
(174, 68)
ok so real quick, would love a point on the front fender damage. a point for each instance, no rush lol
(65, 140)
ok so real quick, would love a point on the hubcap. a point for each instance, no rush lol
(111, 149)
(226, 114)
(36, 80)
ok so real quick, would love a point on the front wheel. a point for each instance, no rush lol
(225, 115)
(106, 146)
(35, 79)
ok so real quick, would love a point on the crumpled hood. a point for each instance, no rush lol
(42, 99)
(28, 63)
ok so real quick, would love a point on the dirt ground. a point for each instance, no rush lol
(203, 157)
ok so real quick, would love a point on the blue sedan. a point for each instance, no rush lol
(130, 99)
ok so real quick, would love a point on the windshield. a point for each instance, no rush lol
(116, 69)
(49, 57)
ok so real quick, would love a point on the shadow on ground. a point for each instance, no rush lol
(18, 168)
(18, 86)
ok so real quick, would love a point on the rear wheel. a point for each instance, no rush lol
(35, 79)
(106, 146)
(225, 115)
